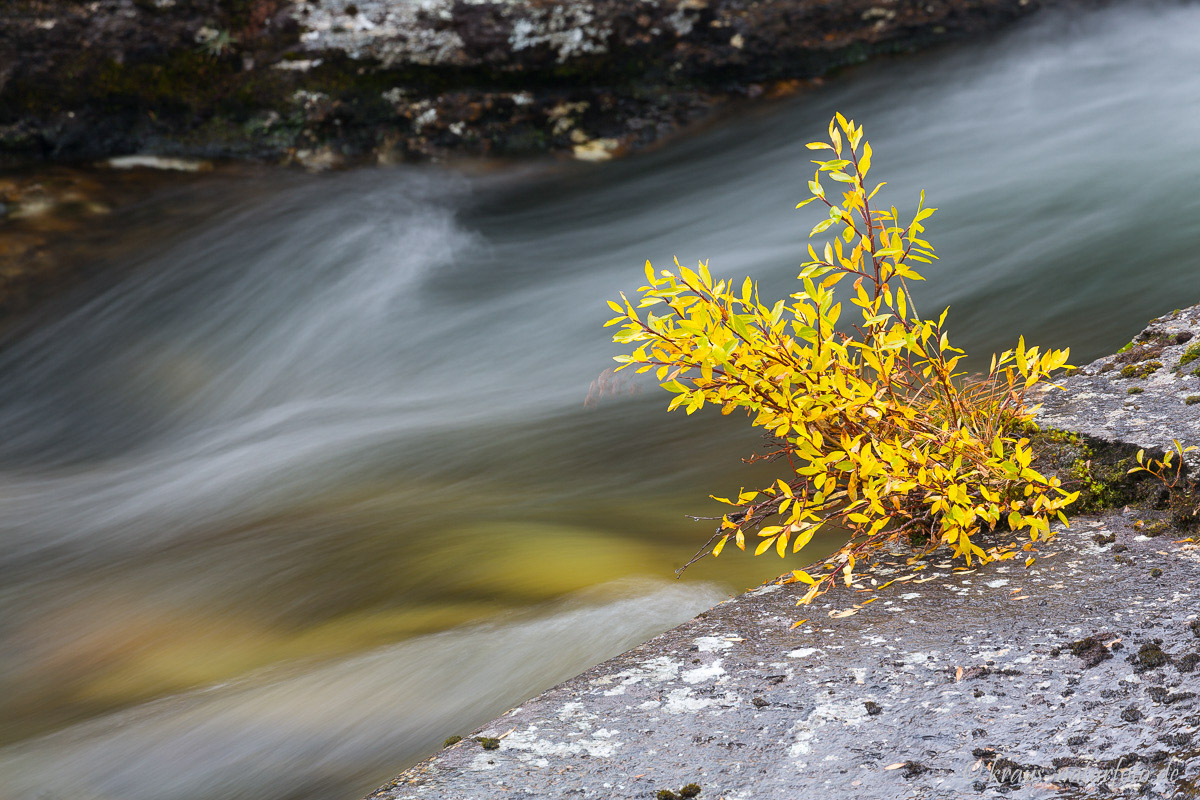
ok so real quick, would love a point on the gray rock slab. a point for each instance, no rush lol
(933, 690)
(1125, 398)
(1074, 676)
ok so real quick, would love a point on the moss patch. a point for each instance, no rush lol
(1098, 470)
(1141, 369)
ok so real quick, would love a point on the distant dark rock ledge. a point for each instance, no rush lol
(1073, 677)
(326, 82)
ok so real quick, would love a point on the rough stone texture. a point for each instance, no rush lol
(932, 691)
(323, 82)
(1072, 677)
(1127, 398)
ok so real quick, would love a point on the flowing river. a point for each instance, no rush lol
(305, 487)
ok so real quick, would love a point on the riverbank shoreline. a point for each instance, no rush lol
(330, 83)
(1075, 674)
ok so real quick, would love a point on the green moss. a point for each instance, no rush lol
(1126, 348)
(1151, 656)
(1156, 528)
(690, 790)
(1134, 390)
(451, 741)
(1190, 355)
(1140, 370)
(1192, 399)
(1100, 486)
(488, 742)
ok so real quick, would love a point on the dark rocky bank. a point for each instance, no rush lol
(1072, 677)
(327, 82)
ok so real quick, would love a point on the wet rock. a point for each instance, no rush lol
(214, 78)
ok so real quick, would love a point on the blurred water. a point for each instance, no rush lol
(245, 487)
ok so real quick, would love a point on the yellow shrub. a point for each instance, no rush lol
(880, 434)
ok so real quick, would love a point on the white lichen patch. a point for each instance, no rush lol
(528, 745)
(803, 733)
(802, 652)
(660, 669)
(709, 672)
(484, 761)
(711, 644)
(681, 701)
(574, 711)
(429, 32)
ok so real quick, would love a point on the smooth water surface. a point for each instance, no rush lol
(314, 485)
